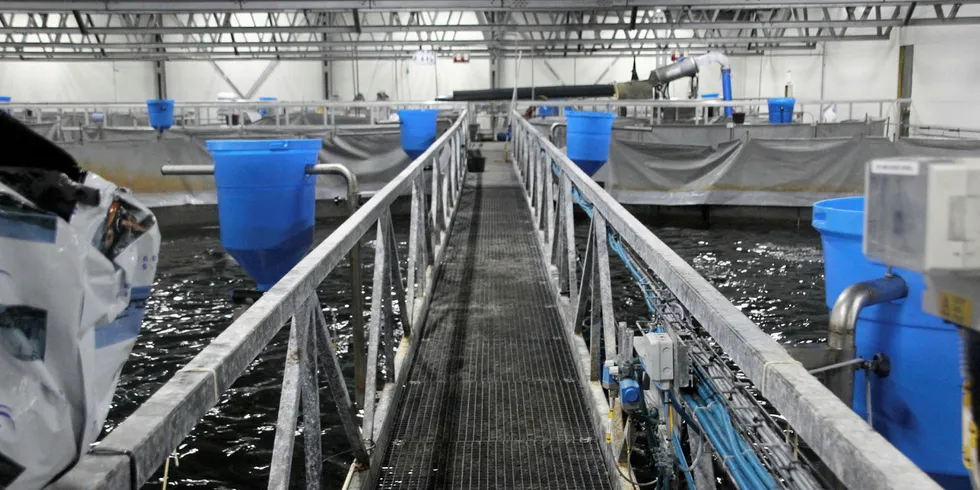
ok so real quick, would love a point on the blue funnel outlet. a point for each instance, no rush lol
(266, 203)
(161, 114)
(418, 127)
(588, 139)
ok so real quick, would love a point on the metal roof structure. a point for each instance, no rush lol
(393, 29)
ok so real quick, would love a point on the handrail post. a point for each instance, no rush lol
(357, 299)
(282, 450)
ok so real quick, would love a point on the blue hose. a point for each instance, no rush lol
(716, 425)
(726, 89)
(679, 451)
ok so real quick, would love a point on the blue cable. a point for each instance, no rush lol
(679, 451)
(744, 465)
(648, 293)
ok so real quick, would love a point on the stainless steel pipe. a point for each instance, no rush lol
(843, 323)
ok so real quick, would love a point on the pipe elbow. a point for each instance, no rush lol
(719, 58)
(353, 192)
(856, 297)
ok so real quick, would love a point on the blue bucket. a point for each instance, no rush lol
(161, 113)
(781, 110)
(265, 110)
(418, 128)
(547, 110)
(588, 139)
(5, 100)
(917, 407)
(266, 203)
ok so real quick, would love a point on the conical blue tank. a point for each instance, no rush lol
(418, 129)
(589, 134)
(266, 203)
(917, 407)
(161, 112)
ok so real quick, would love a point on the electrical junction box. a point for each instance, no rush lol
(657, 352)
(924, 214)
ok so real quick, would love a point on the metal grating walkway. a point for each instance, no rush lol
(492, 399)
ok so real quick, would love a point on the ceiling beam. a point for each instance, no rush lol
(403, 5)
(544, 44)
(535, 28)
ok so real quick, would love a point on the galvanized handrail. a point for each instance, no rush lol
(853, 451)
(210, 113)
(131, 453)
(197, 113)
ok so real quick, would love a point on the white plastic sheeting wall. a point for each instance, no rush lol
(96, 81)
(946, 75)
(290, 80)
(407, 80)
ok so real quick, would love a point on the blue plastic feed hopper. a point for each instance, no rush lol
(781, 110)
(266, 203)
(161, 113)
(917, 407)
(589, 134)
(418, 128)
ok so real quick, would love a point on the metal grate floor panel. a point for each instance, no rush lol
(493, 399)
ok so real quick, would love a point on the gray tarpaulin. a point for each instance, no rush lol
(132, 159)
(754, 171)
(753, 165)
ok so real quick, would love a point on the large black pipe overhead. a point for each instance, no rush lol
(524, 93)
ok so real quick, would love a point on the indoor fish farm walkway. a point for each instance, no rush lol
(492, 400)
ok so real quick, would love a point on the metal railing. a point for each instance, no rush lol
(852, 450)
(652, 113)
(349, 115)
(654, 110)
(278, 114)
(139, 445)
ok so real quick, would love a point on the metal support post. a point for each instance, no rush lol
(310, 395)
(282, 449)
(605, 288)
(568, 208)
(338, 387)
(378, 294)
(357, 293)
(400, 294)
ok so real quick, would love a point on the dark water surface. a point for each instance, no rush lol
(774, 276)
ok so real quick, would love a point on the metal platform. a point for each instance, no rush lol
(493, 399)
(493, 384)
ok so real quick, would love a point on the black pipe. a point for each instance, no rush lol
(524, 93)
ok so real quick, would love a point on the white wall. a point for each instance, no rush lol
(945, 89)
(199, 81)
(406, 80)
(96, 81)
(945, 75)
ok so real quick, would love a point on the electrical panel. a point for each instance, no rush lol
(923, 214)
(657, 352)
